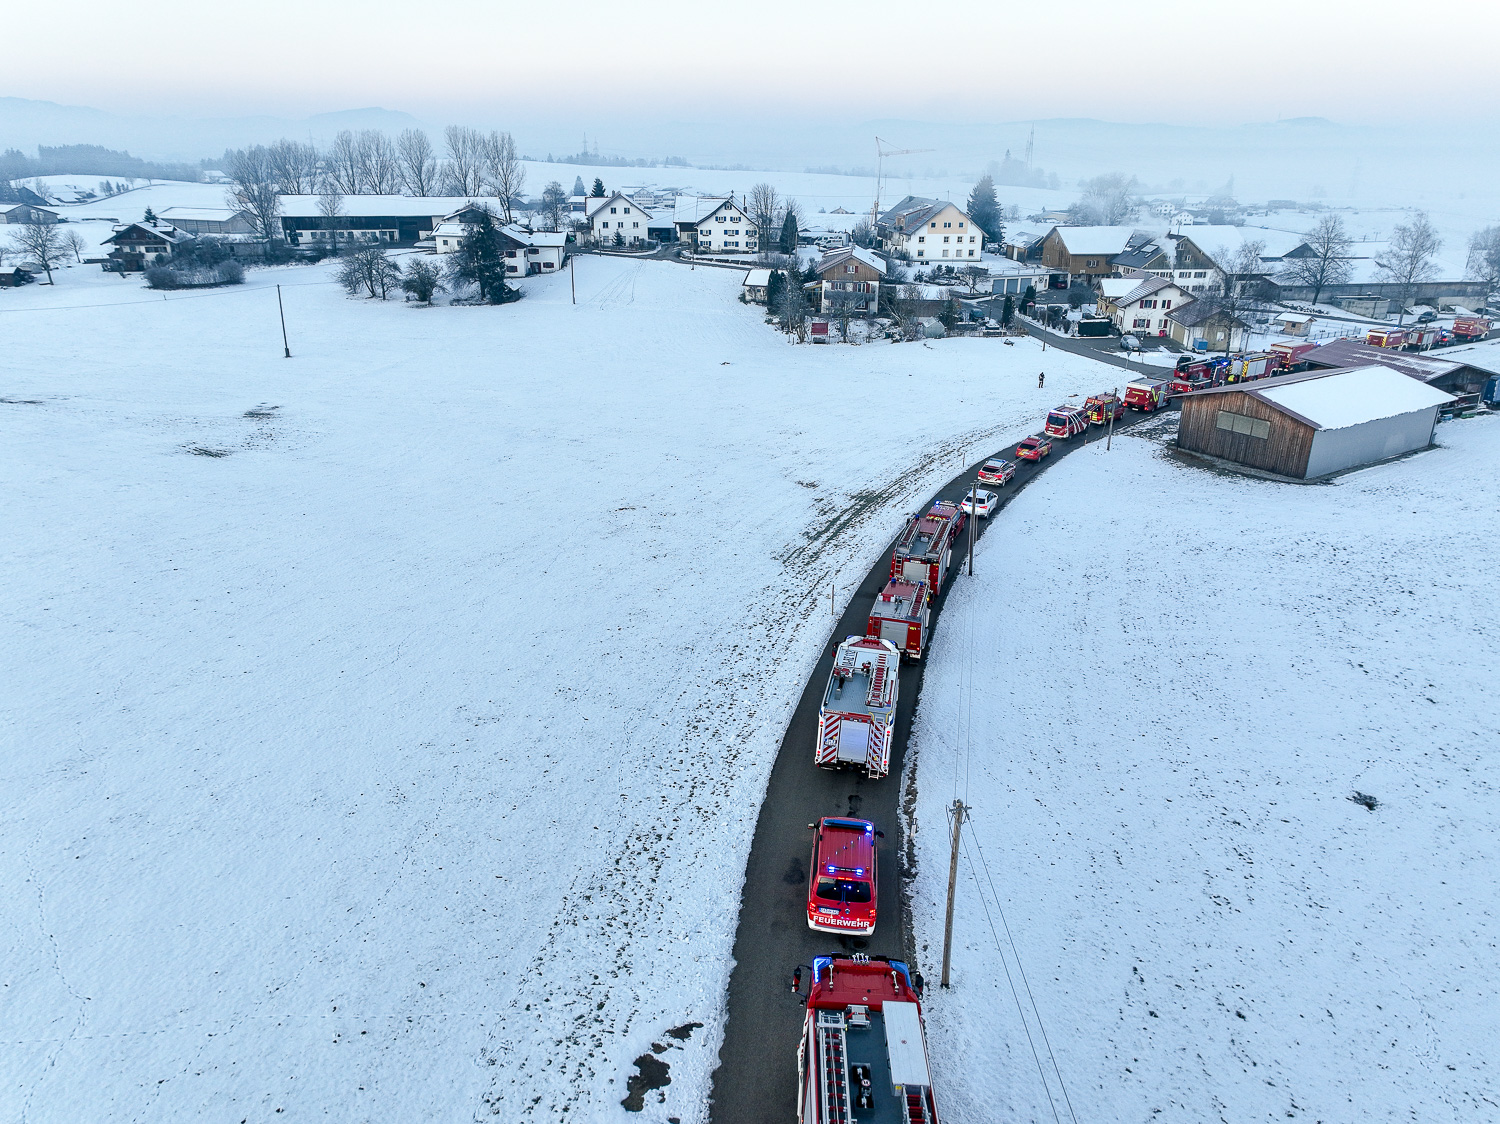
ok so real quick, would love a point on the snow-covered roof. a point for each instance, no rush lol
(1104, 241)
(1211, 239)
(200, 214)
(379, 206)
(1296, 318)
(534, 237)
(1115, 288)
(694, 208)
(1340, 399)
(760, 277)
(1357, 353)
(838, 257)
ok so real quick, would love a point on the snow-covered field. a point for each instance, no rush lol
(1173, 681)
(385, 727)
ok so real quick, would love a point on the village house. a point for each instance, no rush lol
(535, 251)
(1295, 323)
(726, 229)
(618, 216)
(1141, 303)
(1201, 326)
(27, 213)
(1088, 251)
(1313, 423)
(137, 244)
(930, 230)
(851, 277)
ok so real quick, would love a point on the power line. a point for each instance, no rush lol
(1022, 970)
(1041, 1072)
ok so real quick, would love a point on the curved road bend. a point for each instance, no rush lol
(756, 1080)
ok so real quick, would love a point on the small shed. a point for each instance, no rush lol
(1295, 323)
(1313, 423)
(15, 277)
(757, 285)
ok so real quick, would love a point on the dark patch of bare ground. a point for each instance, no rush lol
(22, 401)
(652, 1073)
(262, 412)
(206, 451)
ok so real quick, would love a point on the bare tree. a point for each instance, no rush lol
(1408, 262)
(331, 207)
(842, 307)
(1107, 200)
(371, 271)
(378, 173)
(1484, 258)
(1236, 273)
(253, 188)
(74, 243)
(39, 242)
(973, 274)
(554, 202)
(341, 163)
(503, 172)
(418, 163)
(1328, 264)
(294, 166)
(764, 207)
(465, 159)
(791, 305)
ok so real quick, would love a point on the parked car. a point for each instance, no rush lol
(1129, 342)
(980, 503)
(1426, 318)
(842, 882)
(1034, 448)
(997, 472)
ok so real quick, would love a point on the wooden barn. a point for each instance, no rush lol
(1312, 423)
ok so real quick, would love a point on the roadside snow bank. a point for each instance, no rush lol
(1178, 681)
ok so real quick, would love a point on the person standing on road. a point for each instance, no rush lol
(1041, 379)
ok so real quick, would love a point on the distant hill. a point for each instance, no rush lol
(25, 124)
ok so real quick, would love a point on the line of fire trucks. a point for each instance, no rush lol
(843, 1073)
(863, 1053)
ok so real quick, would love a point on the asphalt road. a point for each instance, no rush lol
(756, 1080)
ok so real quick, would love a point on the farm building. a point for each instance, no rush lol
(1313, 423)
(1450, 374)
(391, 220)
(757, 285)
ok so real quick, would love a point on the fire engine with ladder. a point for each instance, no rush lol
(857, 720)
(863, 1056)
(902, 615)
(925, 549)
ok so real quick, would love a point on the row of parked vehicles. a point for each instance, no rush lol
(863, 1054)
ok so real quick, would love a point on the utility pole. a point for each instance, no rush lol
(832, 608)
(973, 518)
(572, 283)
(958, 824)
(1110, 435)
(280, 308)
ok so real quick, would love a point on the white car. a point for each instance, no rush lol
(980, 502)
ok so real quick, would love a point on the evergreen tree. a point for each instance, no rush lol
(774, 288)
(789, 232)
(598, 192)
(1008, 310)
(480, 259)
(578, 188)
(150, 215)
(984, 209)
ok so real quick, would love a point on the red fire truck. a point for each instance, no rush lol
(1467, 329)
(1420, 339)
(1146, 395)
(858, 716)
(863, 1055)
(901, 614)
(1289, 356)
(925, 548)
(1100, 408)
(1066, 421)
(1386, 337)
(1246, 368)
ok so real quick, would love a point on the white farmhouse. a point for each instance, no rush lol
(931, 230)
(617, 215)
(1140, 304)
(727, 229)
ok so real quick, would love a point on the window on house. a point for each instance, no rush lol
(947, 225)
(627, 210)
(921, 238)
(971, 253)
(635, 224)
(1166, 304)
(920, 253)
(1239, 423)
(945, 238)
(1141, 322)
(1091, 262)
(734, 218)
(960, 226)
(612, 210)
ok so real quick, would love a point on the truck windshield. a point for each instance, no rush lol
(843, 890)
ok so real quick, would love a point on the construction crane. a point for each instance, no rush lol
(881, 152)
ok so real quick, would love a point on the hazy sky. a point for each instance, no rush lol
(1176, 61)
